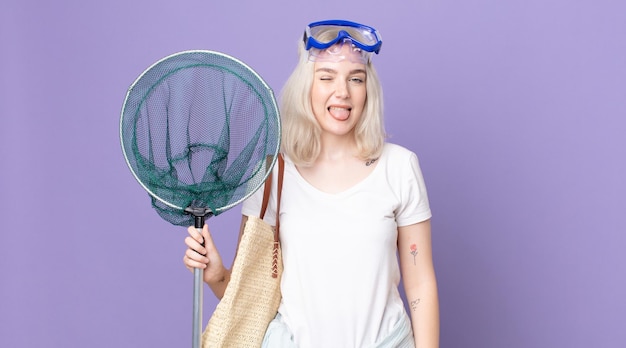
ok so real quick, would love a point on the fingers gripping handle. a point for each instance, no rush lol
(197, 295)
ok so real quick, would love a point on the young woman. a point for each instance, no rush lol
(354, 212)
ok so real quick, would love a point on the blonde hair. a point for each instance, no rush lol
(301, 132)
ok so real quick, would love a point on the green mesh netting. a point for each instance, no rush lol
(196, 130)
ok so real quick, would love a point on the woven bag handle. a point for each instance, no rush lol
(281, 173)
(266, 189)
(276, 251)
(266, 198)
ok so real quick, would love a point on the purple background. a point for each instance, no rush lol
(517, 110)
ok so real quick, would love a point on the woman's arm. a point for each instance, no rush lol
(420, 283)
(208, 258)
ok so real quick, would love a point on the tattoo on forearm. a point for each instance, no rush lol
(414, 252)
(414, 304)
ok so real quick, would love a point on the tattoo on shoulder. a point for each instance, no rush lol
(371, 161)
(414, 252)
(414, 304)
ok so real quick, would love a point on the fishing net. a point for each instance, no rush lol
(196, 130)
(200, 132)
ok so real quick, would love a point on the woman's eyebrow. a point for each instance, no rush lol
(333, 71)
(328, 70)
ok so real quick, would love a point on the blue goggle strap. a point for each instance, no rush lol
(310, 41)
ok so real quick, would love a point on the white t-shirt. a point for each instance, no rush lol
(341, 273)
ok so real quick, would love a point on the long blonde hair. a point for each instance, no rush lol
(301, 132)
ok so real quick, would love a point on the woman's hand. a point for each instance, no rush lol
(201, 253)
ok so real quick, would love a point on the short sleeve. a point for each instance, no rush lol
(414, 206)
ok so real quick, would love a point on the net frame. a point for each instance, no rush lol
(146, 75)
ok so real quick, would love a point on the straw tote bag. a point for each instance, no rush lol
(252, 296)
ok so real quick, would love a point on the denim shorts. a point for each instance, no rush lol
(278, 335)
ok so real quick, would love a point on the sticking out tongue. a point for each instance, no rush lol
(340, 114)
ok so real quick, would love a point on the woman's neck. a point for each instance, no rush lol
(334, 148)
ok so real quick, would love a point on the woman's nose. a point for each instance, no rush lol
(341, 89)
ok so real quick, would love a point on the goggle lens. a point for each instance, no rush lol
(336, 53)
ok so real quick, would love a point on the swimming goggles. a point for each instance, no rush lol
(330, 36)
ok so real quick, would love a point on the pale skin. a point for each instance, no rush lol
(420, 284)
(338, 97)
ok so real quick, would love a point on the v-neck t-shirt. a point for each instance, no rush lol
(341, 274)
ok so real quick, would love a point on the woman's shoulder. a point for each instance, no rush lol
(395, 151)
